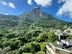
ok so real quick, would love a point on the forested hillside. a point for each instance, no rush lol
(41, 19)
(8, 20)
(29, 32)
(34, 16)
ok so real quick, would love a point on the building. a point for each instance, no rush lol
(61, 35)
(54, 48)
(62, 46)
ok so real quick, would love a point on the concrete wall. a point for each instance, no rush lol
(59, 42)
(61, 52)
(50, 50)
(56, 50)
(68, 42)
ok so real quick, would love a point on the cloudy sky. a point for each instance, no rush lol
(61, 9)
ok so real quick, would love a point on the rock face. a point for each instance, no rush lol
(33, 14)
(41, 19)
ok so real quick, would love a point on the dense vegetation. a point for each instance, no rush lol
(34, 16)
(34, 40)
(8, 20)
(41, 19)
(28, 32)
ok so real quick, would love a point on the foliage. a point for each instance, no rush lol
(28, 32)
(68, 31)
(30, 47)
(51, 37)
(27, 53)
(40, 52)
(70, 37)
(32, 41)
(42, 37)
(10, 35)
(8, 20)
(43, 46)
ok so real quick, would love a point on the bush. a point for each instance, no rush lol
(5, 43)
(16, 44)
(10, 35)
(68, 31)
(26, 53)
(34, 47)
(1, 35)
(13, 52)
(51, 37)
(70, 37)
(30, 47)
(42, 37)
(43, 46)
(40, 52)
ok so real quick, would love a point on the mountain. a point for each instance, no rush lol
(32, 17)
(28, 33)
(37, 17)
(8, 20)
(33, 14)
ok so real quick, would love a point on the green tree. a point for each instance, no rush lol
(42, 37)
(30, 47)
(5, 44)
(13, 52)
(40, 52)
(43, 46)
(51, 37)
(15, 44)
(70, 37)
(34, 47)
(68, 31)
(9, 35)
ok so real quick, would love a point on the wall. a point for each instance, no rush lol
(68, 42)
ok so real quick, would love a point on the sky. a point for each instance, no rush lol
(61, 9)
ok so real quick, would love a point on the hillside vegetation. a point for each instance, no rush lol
(29, 32)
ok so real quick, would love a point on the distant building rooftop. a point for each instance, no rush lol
(58, 49)
(69, 48)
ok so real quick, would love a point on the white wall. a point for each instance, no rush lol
(59, 43)
(50, 49)
(68, 42)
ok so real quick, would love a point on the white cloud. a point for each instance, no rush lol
(60, 1)
(6, 14)
(7, 4)
(11, 5)
(66, 8)
(43, 3)
(29, 2)
(3, 2)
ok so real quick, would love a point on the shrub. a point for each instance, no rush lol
(40, 52)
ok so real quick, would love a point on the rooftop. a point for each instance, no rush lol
(65, 48)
